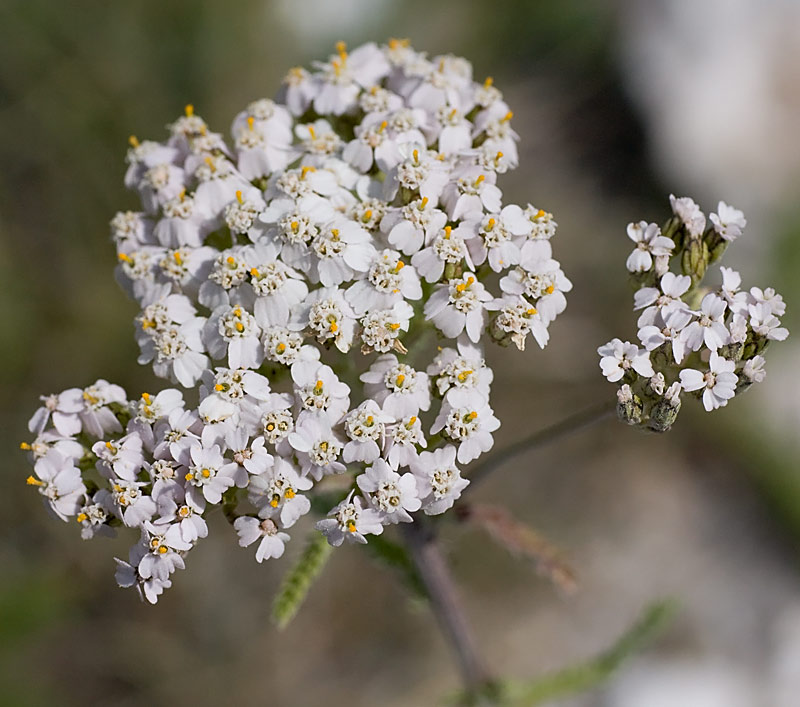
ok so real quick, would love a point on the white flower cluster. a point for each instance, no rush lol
(293, 279)
(692, 339)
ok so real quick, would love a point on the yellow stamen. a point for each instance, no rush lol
(472, 415)
(109, 445)
(270, 427)
(239, 196)
(478, 181)
(447, 230)
(415, 153)
(541, 213)
(176, 256)
(219, 387)
(239, 327)
(163, 550)
(254, 272)
(470, 281)
(334, 327)
(230, 260)
(463, 375)
(205, 473)
(341, 49)
(33, 481)
(423, 203)
(81, 517)
(323, 446)
(508, 116)
(311, 132)
(498, 156)
(280, 348)
(531, 311)
(189, 110)
(367, 215)
(274, 501)
(400, 265)
(189, 476)
(305, 170)
(394, 326)
(295, 225)
(24, 445)
(460, 287)
(550, 289)
(453, 113)
(318, 388)
(133, 141)
(399, 380)
(370, 420)
(125, 258)
(210, 163)
(335, 233)
(237, 312)
(289, 493)
(411, 421)
(250, 121)
(382, 126)
(490, 224)
(351, 526)
(488, 82)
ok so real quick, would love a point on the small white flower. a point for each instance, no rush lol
(350, 521)
(649, 242)
(318, 447)
(765, 323)
(393, 495)
(459, 305)
(275, 493)
(273, 541)
(402, 440)
(439, 482)
(729, 222)
(365, 427)
(709, 327)
(689, 213)
(208, 475)
(719, 383)
(398, 388)
(753, 369)
(60, 482)
(380, 330)
(467, 419)
(618, 357)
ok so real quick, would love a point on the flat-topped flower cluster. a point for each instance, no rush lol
(294, 279)
(708, 342)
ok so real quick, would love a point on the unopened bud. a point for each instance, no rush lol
(629, 406)
(694, 261)
(656, 383)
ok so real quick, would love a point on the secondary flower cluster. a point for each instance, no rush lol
(692, 339)
(294, 278)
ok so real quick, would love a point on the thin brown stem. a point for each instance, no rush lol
(573, 423)
(446, 604)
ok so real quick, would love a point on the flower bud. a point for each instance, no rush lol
(629, 406)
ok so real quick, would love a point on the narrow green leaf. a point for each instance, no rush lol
(595, 671)
(298, 580)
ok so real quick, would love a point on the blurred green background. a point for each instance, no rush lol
(617, 104)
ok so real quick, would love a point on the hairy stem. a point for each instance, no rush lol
(446, 604)
(571, 424)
